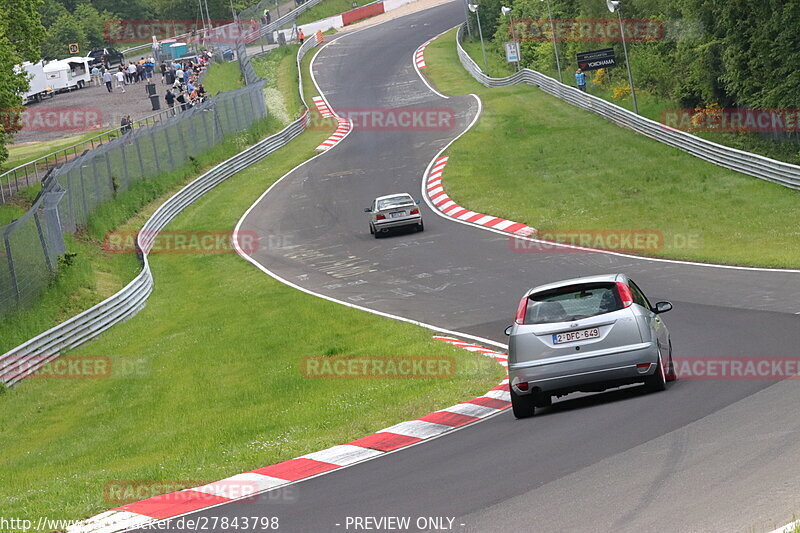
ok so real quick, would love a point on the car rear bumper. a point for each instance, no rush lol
(587, 373)
(397, 222)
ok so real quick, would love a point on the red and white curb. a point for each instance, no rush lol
(249, 484)
(338, 135)
(442, 202)
(341, 131)
(419, 56)
(322, 107)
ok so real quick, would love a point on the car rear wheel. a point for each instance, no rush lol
(522, 406)
(671, 374)
(371, 230)
(542, 400)
(420, 227)
(658, 381)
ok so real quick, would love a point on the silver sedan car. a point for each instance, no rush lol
(586, 334)
(394, 211)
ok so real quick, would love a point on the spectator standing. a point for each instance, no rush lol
(181, 98)
(300, 36)
(179, 74)
(120, 80)
(140, 76)
(107, 79)
(580, 79)
(163, 68)
(96, 75)
(126, 124)
(170, 99)
(131, 72)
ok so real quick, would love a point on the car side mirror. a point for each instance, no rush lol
(417, 202)
(662, 307)
(367, 210)
(507, 331)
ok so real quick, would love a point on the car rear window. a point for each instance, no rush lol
(395, 201)
(572, 303)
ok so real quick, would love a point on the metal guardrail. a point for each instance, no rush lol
(25, 359)
(282, 21)
(748, 163)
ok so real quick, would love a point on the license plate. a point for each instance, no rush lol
(578, 335)
(398, 214)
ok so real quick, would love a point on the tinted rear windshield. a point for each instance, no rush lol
(572, 303)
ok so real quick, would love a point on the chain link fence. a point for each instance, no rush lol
(70, 193)
(245, 66)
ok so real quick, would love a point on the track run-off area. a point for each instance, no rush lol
(702, 456)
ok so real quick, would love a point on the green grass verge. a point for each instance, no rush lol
(221, 390)
(328, 8)
(650, 105)
(222, 77)
(94, 274)
(19, 154)
(280, 91)
(535, 159)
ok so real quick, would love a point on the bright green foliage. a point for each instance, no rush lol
(20, 33)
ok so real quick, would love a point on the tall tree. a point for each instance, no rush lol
(64, 31)
(21, 33)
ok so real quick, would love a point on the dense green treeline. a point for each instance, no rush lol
(732, 53)
(96, 23)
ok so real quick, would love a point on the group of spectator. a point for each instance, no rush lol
(134, 72)
(186, 91)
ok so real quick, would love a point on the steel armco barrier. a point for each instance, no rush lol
(25, 359)
(754, 165)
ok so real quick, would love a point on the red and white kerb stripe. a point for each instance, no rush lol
(338, 135)
(442, 202)
(270, 477)
(419, 56)
(322, 107)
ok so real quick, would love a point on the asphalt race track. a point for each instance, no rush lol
(702, 456)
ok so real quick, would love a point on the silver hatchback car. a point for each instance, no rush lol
(394, 211)
(586, 334)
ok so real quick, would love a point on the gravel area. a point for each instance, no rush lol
(87, 109)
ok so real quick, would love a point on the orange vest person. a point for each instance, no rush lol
(300, 35)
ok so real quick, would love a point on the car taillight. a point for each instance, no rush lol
(625, 294)
(380, 217)
(415, 211)
(522, 385)
(522, 308)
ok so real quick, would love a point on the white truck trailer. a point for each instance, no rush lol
(39, 85)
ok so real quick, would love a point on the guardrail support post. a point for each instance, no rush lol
(42, 240)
